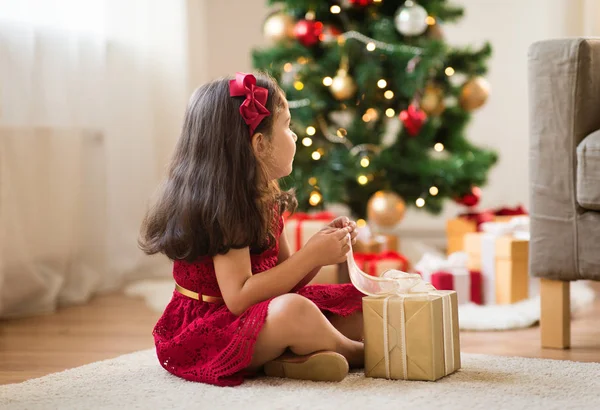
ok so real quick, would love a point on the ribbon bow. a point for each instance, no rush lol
(518, 227)
(253, 108)
(392, 282)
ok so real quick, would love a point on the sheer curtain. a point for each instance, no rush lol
(91, 98)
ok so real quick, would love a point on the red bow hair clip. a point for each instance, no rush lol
(253, 108)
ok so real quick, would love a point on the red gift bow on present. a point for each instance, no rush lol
(323, 216)
(253, 109)
(488, 215)
(373, 258)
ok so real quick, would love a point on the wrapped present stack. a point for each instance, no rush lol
(376, 254)
(471, 222)
(501, 253)
(452, 273)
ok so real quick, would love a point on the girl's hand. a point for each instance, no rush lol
(343, 222)
(328, 246)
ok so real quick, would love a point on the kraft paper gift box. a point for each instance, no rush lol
(411, 336)
(452, 273)
(503, 262)
(457, 228)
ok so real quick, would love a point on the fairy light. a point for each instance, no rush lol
(382, 83)
(449, 71)
(298, 85)
(430, 20)
(371, 46)
(366, 117)
(302, 60)
(434, 190)
(362, 179)
(287, 67)
(389, 94)
(361, 223)
(439, 147)
(310, 130)
(307, 142)
(316, 155)
(364, 162)
(390, 112)
(420, 202)
(312, 181)
(341, 132)
(327, 81)
(315, 198)
(376, 1)
(335, 9)
(372, 114)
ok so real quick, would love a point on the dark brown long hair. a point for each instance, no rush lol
(217, 195)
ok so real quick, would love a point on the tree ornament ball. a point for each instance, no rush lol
(278, 27)
(343, 86)
(432, 101)
(308, 32)
(470, 199)
(474, 93)
(386, 209)
(411, 19)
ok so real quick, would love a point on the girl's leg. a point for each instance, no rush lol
(350, 326)
(296, 323)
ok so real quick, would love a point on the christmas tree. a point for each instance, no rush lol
(380, 103)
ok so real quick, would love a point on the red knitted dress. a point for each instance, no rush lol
(205, 342)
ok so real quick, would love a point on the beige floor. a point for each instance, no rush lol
(112, 325)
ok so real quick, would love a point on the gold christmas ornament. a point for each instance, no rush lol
(385, 208)
(474, 93)
(343, 86)
(433, 100)
(278, 27)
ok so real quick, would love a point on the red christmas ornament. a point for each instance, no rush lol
(361, 3)
(307, 32)
(413, 119)
(470, 199)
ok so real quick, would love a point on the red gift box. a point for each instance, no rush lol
(446, 281)
(376, 264)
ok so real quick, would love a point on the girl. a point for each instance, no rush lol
(240, 302)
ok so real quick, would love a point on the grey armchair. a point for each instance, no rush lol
(564, 153)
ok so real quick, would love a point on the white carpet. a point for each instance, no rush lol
(136, 381)
(157, 294)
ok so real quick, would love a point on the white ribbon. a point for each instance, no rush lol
(395, 283)
(456, 264)
(517, 227)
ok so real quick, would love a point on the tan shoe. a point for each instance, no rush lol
(323, 366)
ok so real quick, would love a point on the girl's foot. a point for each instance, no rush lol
(319, 366)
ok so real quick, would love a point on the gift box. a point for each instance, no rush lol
(470, 222)
(452, 273)
(501, 254)
(411, 336)
(377, 264)
(299, 228)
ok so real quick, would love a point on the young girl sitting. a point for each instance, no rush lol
(241, 303)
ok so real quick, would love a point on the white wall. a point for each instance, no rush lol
(510, 25)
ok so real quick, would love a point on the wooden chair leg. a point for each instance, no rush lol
(555, 321)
